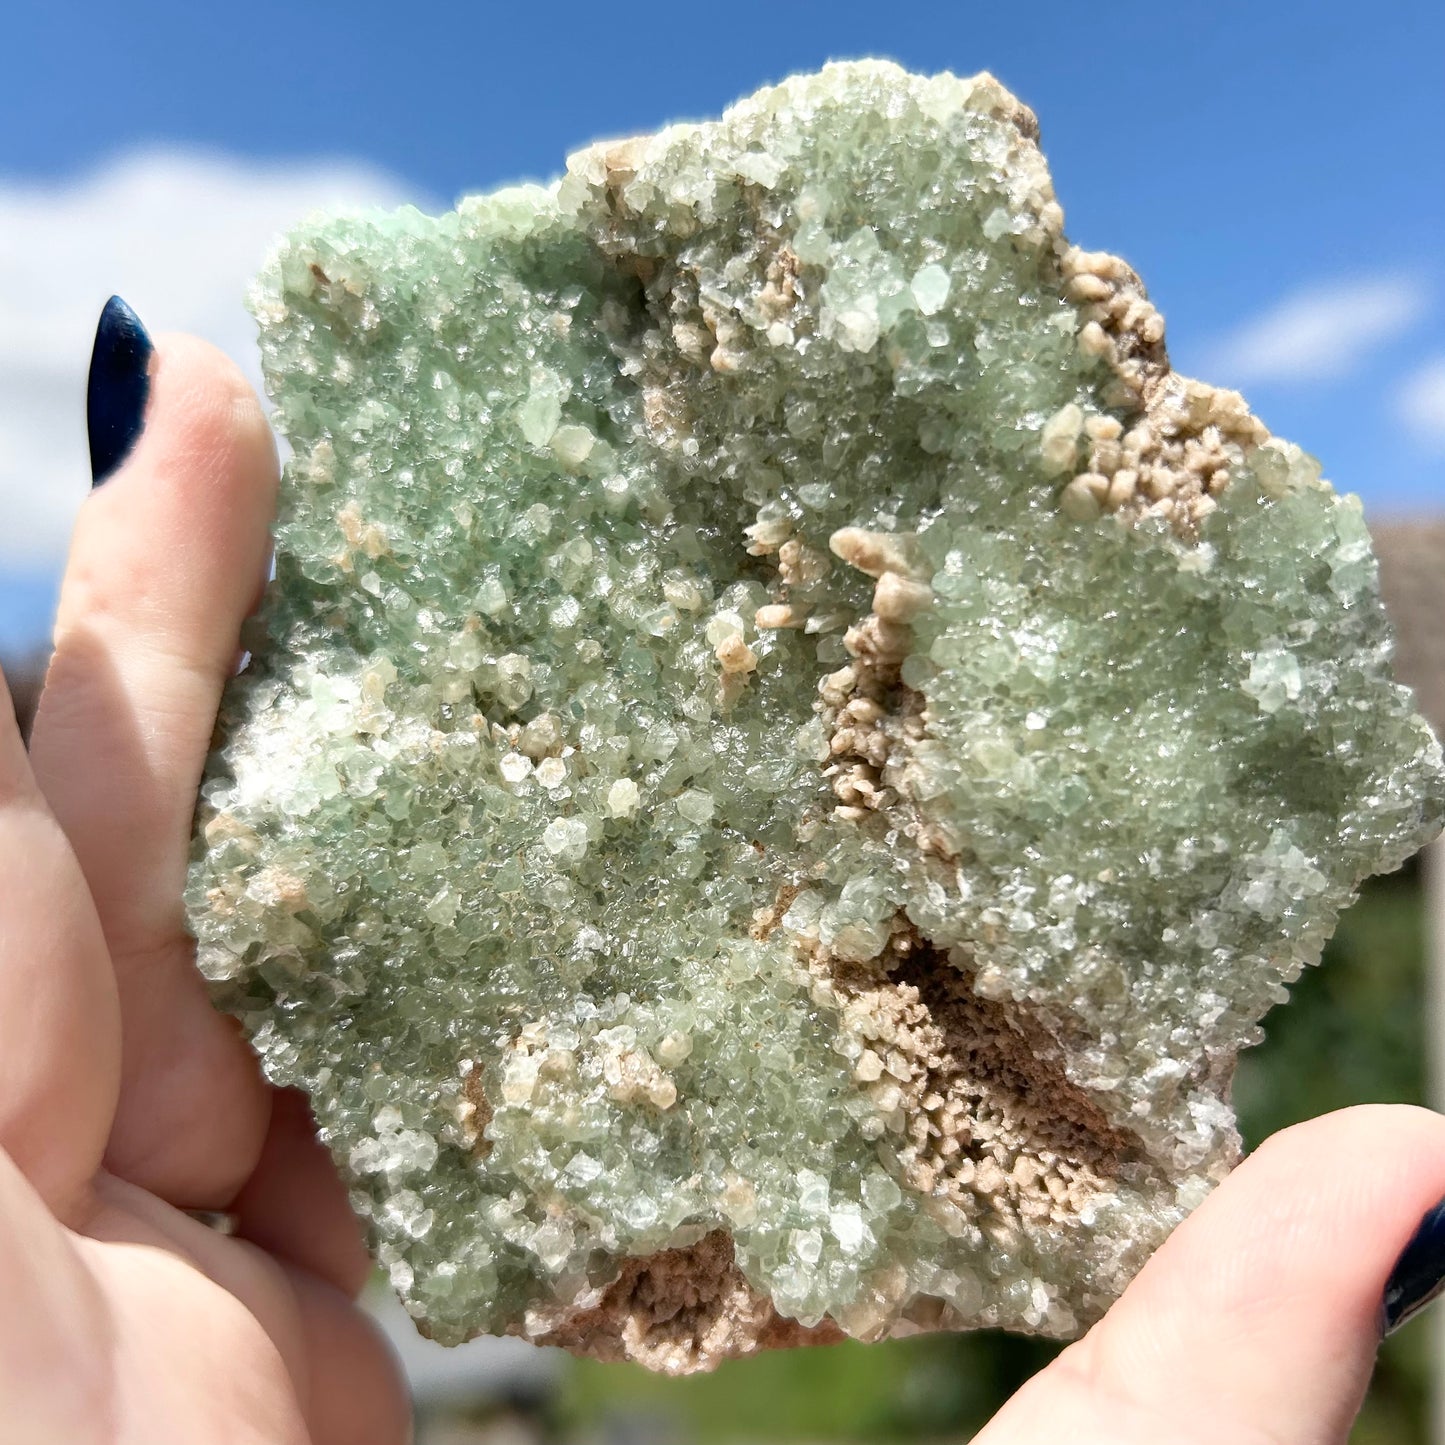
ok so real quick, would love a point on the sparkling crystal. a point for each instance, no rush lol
(787, 751)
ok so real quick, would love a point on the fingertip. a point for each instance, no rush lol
(1369, 1169)
(1276, 1282)
(185, 517)
(200, 407)
(358, 1392)
(295, 1205)
(117, 388)
(200, 392)
(194, 1110)
(202, 361)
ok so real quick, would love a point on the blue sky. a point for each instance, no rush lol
(1275, 171)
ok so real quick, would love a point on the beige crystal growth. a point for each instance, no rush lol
(787, 751)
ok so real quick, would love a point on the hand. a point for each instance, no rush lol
(125, 1099)
(123, 1320)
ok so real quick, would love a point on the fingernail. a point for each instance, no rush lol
(115, 398)
(1419, 1273)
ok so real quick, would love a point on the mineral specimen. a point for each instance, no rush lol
(787, 751)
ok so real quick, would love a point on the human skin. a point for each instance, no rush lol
(126, 1101)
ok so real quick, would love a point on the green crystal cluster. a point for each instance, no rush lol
(786, 752)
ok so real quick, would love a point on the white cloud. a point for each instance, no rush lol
(1421, 403)
(1319, 333)
(178, 234)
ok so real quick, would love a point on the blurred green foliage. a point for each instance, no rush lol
(1353, 1033)
(931, 1387)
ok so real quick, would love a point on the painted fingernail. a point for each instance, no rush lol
(120, 383)
(1419, 1273)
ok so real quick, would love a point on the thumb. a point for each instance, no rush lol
(1258, 1319)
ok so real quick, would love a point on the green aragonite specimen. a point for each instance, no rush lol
(787, 751)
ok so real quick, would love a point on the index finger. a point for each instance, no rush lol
(166, 560)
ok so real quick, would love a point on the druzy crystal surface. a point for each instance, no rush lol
(787, 751)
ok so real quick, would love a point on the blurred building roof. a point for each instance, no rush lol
(1412, 581)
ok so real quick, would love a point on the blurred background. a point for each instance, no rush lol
(1274, 170)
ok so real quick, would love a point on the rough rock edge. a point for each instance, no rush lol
(679, 1311)
(1176, 457)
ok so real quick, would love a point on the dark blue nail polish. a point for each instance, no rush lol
(1419, 1273)
(120, 383)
